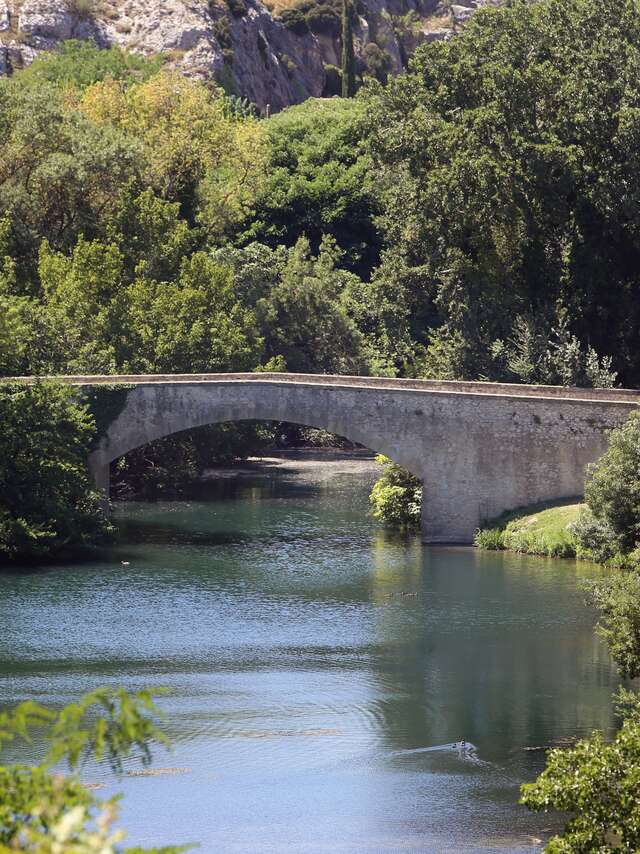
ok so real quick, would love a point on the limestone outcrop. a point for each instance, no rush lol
(254, 51)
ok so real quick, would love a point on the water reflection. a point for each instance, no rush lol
(307, 651)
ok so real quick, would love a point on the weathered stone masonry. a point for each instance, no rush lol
(479, 448)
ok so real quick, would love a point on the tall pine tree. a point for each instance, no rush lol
(348, 60)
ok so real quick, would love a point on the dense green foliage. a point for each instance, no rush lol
(78, 63)
(396, 497)
(46, 502)
(608, 530)
(317, 183)
(44, 812)
(598, 784)
(488, 201)
(141, 232)
(612, 489)
(508, 170)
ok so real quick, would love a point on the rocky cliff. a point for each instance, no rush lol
(274, 52)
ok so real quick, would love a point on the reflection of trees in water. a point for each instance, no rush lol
(496, 649)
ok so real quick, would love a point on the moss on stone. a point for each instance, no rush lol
(105, 403)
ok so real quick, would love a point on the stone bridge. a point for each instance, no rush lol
(479, 448)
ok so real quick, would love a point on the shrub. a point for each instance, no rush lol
(535, 542)
(288, 63)
(396, 497)
(595, 538)
(537, 530)
(82, 8)
(324, 18)
(222, 32)
(378, 63)
(489, 538)
(612, 490)
(294, 19)
(80, 64)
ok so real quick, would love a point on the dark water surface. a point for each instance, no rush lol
(303, 680)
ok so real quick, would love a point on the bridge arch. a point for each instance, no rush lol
(178, 408)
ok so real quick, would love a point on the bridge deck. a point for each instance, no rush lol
(617, 395)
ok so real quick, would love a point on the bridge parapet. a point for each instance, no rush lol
(390, 383)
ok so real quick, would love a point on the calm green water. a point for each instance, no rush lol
(302, 680)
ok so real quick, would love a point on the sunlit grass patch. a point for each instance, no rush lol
(542, 529)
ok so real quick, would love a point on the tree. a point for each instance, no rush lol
(552, 356)
(304, 317)
(195, 151)
(318, 183)
(598, 784)
(150, 234)
(47, 504)
(44, 812)
(396, 497)
(348, 58)
(506, 182)
(81, 297)
(61, 174)
(191, 325)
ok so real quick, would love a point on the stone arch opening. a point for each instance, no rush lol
(190, 462)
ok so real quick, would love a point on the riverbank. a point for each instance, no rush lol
(542, 529)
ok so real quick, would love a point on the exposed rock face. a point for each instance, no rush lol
(239, 43)
(284, 68)
(45, 21)
(5, 20)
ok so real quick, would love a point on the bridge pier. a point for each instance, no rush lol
(100, 472)
(450, 515)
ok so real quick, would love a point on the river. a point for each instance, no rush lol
(310, 657)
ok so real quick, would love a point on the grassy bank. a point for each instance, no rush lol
(542, 529)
